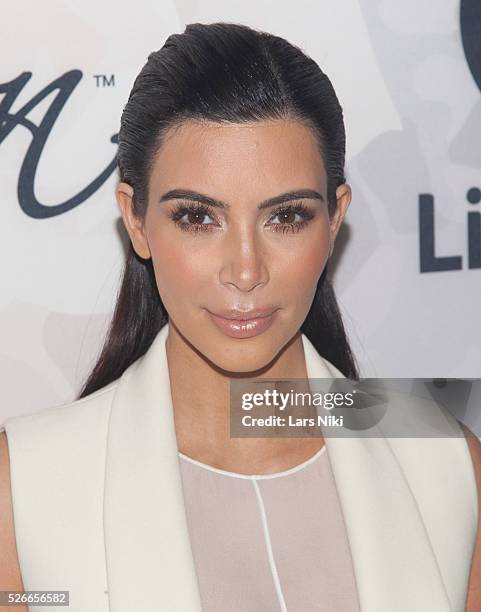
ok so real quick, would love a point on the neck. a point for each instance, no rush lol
(200, 398)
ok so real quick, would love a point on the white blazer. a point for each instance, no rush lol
(98, 503)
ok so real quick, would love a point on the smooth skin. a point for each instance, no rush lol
(240, 257)
(234, 255)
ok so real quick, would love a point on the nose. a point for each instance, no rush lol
(244, 264)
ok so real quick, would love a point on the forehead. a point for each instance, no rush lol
(262, 158)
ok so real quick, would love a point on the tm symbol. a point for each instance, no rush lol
(102, 80)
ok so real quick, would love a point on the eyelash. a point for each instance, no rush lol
(201, 209)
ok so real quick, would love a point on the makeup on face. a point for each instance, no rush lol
(289, 214)
(235, 229)
(239, 324)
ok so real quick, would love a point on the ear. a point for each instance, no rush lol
(343, 199)
(133, 224)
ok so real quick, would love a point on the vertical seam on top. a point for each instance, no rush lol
(270, 554)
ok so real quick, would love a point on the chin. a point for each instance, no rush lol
(238, 357)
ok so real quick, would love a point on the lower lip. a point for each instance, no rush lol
(243, 329)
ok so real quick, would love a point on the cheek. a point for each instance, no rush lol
(180, 270)
(299, 269)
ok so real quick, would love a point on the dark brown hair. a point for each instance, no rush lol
(221, 72)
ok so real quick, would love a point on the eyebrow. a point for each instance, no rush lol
(187, 194)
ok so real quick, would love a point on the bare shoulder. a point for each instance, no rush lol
(473, 601)
(10, 576)
(474, 442)
(474, 445)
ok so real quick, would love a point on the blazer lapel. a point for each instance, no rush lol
(394, 564)
(148, 554)
(149, 559)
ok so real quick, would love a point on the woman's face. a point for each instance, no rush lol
(237, 219)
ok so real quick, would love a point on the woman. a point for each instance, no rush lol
(135, 496)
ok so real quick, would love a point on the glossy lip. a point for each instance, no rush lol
(243, 315)
(243, 324)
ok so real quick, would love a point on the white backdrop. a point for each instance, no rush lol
(413, 119)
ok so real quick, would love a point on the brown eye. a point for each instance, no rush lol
(288, 216)
(291, 218)
(191, 217)
(195, 218)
